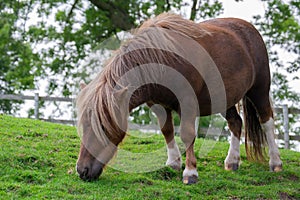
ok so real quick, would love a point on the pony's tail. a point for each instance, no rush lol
(255, 138)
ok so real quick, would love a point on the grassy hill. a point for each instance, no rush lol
(37, 161)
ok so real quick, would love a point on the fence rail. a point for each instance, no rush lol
(36, 99)
(26, 97)
(284, 109)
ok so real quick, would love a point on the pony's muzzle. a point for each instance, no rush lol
(89, 172)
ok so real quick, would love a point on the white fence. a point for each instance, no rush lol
(36, 98)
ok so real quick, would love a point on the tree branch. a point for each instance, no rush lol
(168, 8)
(71, 11)
(193, 10)
(119, 16)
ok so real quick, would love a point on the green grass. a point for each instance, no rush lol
(37, 161)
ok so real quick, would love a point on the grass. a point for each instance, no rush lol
(37, 161)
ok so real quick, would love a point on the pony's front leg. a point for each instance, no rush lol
(174, 155)
(188, 134)
(234, 121)
(165, 120)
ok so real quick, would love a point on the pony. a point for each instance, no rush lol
(194, 69)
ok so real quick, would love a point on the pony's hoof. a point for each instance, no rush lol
(175, 167)
(232, 166)
(176, 164)
(188, 180)
(276, 168)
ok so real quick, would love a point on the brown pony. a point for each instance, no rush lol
(193, 69)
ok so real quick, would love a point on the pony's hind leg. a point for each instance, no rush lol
(265, 112)
(166, 125)
(234, 121)
(275, 162)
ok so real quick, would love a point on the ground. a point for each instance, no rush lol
(37, 161)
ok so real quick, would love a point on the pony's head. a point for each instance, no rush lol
(99, 134)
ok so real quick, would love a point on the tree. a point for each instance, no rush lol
(18, 63)
(280, 27)
(64, 34)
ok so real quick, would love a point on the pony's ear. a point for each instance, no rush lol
(82, 85)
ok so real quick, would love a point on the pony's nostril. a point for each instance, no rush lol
(85, 171)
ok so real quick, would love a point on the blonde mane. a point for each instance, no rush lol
(96, 102)
(177, 23)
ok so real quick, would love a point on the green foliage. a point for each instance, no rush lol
(37, 161)
(283, 91)
(280, 25)
(209, 10)
(18, 62)
(143, 115)
(64, 35)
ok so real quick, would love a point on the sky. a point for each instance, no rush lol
(244, 10)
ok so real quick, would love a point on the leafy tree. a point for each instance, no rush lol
(18, 63)
(280, 27)
(99, 19)
(64, 34)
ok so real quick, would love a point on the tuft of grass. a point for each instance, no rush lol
(37, 161)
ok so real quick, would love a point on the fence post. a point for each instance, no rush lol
(197, 126)
(286, 126)
(36, 105)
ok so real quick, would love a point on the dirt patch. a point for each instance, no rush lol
(293, 178)
(285, 196)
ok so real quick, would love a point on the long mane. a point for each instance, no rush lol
(96, 102)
